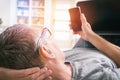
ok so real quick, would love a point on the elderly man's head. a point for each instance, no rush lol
(17, 47)
(23, 47)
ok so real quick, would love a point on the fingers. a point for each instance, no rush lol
(12, 74)
(44, 76)
(28, 74)
(83, 19)
(29, 71)
(40, 75)
(49, 78)
(88, 24)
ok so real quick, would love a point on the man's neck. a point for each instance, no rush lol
(61, 71)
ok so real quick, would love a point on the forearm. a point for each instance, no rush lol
(106, 47)
(2, 74)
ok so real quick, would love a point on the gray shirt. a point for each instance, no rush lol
(91, 64)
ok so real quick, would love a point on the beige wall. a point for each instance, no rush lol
(8, 11)
(5, 11)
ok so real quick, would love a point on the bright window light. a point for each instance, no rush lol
(62, 6)
(62, 36)
(62, 15)
(61, 26)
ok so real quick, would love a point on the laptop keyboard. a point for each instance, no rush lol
(115, 39)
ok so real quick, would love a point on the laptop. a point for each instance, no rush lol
(104, 17)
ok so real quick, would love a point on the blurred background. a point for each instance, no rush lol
(41, 13)
(54, 14)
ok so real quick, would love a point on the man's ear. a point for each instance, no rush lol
(45, 52)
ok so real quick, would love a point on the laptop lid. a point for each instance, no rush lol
(103, 15)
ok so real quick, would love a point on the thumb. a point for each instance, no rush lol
(83, 18)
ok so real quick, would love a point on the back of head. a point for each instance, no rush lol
(17, 48)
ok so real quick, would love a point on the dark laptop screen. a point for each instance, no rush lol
(103, 15)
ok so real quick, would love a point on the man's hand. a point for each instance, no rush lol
(86, 28)
(25, 74)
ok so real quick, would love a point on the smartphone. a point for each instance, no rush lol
(75, 19)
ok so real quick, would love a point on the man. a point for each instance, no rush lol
(8, 74)
(78, 64)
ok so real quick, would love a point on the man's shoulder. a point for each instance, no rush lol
(81, 51)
